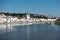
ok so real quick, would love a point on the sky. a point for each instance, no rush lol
(45, 7)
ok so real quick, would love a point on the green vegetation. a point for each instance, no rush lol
(31, 15)
(57, 23)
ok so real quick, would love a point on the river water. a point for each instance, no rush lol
(29, 32)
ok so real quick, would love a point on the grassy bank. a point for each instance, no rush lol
(57, 23)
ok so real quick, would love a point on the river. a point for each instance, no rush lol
(29, 32)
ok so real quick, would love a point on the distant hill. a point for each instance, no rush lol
(31, 15)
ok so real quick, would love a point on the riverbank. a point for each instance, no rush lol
(21, 23)
(57, 23)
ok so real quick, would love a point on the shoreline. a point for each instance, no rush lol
(57, 23)
(27, 22)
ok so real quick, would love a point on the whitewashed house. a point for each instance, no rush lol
(28, 16)
(12, 19)
(2, 18)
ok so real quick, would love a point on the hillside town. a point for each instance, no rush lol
(25, 17)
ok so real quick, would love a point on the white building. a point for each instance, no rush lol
(12, 19)
(28, 16)
(2, 18)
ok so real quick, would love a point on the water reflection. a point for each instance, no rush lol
(29, 32)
